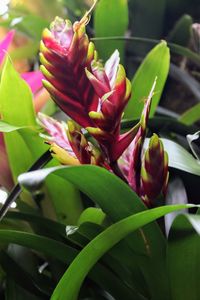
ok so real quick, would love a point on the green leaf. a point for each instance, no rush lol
(156, 64)
(16, 107)
(182, 31)
(66, 254)
(58, 229)
(93, 215)
(21, 276)
(39, 243)
(191, 116)
(66, 200)
(69, 285)
(183, 257)
(15, 93)
(31, 25)
(55, 8)
(122, 254)
(111, 18)
(107, 190)
(5, 127)
(181, 159)
(82, 235)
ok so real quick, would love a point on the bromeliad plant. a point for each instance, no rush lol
(95, 96)
(90, 216)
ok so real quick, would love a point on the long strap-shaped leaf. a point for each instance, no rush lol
(118, 201)
(87, 232)
(70, 283)
(64, 253)
(183, 257)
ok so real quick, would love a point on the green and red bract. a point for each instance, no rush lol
(133, 154)
(146, 173)
(154, 171)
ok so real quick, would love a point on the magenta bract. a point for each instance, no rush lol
(65, 53)
(154, 171)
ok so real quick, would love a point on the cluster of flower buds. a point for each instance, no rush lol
(154, 171)
(94, 96)
(146, 171)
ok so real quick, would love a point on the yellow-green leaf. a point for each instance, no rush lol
(111, 19)
(156, 64)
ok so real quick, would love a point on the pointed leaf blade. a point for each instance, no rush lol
(156, 64)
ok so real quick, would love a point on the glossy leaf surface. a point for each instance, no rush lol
(180, 158)
(79, 268)
(183, 257)
(118, 201)
(156, 64)
(5, 127)
(66, 254)
(15, 93)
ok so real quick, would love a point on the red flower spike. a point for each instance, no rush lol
(65, 53)
(114, 90)
(154, 171)
(93, 95)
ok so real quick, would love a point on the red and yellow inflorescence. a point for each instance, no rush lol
(94, 95)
